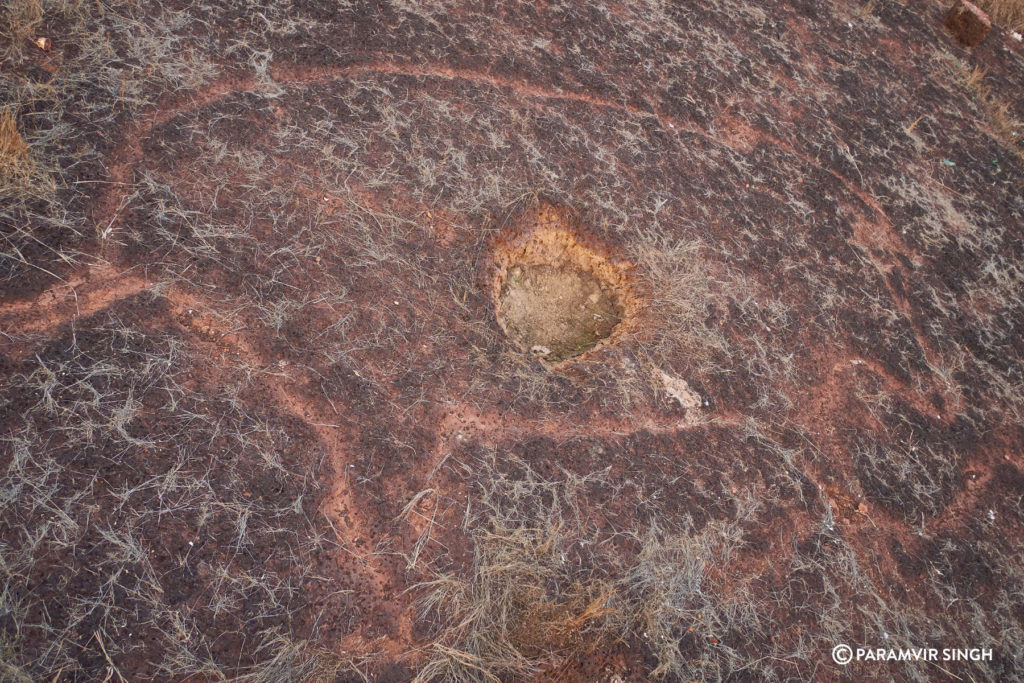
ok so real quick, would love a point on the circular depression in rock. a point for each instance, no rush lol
(556, 298)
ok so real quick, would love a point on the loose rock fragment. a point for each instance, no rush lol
(968, 24)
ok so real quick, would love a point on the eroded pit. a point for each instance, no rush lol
(557, 298)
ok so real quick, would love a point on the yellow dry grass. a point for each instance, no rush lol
(1006, 127)
(19, 20)
(15, 158)
(1008, 13)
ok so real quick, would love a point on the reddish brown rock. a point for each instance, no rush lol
(968, 23)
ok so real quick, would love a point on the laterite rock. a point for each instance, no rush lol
(968, 23)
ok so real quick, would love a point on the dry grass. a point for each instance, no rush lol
(524, 606)
(16, 163)
(1008, 13)
(20, 176)
(85, 397)
(114, 60)
(998, 112)
(548, 589)
(18, 22)
(867, 9)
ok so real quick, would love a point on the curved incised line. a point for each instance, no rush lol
(297, 76)
(128, 155)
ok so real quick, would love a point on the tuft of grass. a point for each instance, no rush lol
(19, 174)
(1007, 128)
(549, 586)
(15, 159)
(18, 21)
(525, 605)
(1008, 13)
(868, 9)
